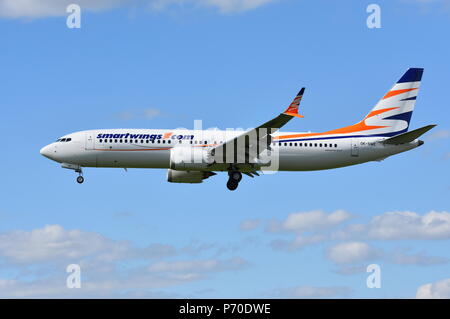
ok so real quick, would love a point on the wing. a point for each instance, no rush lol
(258, 139)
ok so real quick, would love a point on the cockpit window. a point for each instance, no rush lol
(63, 140)
(68, 139)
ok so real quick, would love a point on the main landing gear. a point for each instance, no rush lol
(234, 177)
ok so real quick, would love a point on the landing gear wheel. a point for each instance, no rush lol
(235, 175)
(232, 184)
(80, 179)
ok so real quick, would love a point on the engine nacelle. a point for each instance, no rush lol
(174, 176)
(189, 158)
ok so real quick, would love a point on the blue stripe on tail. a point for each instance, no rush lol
(402, 116)
(409, 98)
(412, 75)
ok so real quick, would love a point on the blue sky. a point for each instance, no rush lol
(164, 64)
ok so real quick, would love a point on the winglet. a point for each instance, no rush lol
(292, 109)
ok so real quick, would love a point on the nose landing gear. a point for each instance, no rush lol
(77, 169)
(234, 177)
(80, 178)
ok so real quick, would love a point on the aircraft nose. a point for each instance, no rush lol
(46, 151)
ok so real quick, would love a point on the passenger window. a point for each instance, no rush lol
(101, 140)
(110, 140)
(325, 145)
(290, 144)
(285, 144)
(191, 142)
(126, 141)
(315, 144)
(295, 144)
(164, 141)
(320, 144)
(310, 144)
(301, 144)
(121, 141)
(206, 142)
(115, 141)
(146, 141)
(335, 145)
(170, 141)
(159, 141)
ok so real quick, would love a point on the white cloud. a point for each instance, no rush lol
(350, 269)
(352, 252)
(316, 226)
(224, 6)
(437, 290)
(424, 3)
(299, 242)
(310, 221)
(317, 223)
(148, 114)
(410, 225)
(113, 285)
(313, 292)
(400, 225)
(53, 242)
(418, 259)
(46, 8)
(48, 250)
(208, 265)
(249, 224)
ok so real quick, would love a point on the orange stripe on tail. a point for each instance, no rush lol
(397, 92)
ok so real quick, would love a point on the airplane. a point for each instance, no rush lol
(191, 156)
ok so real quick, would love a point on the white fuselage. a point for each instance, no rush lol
(146, 148)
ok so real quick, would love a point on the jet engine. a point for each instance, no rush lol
(189, 158)
(174, 176)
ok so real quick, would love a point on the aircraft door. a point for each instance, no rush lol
(89, 144)
(354, 147)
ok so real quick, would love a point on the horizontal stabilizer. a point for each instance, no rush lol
(408, 136)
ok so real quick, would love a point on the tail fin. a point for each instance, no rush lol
(391, 115)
